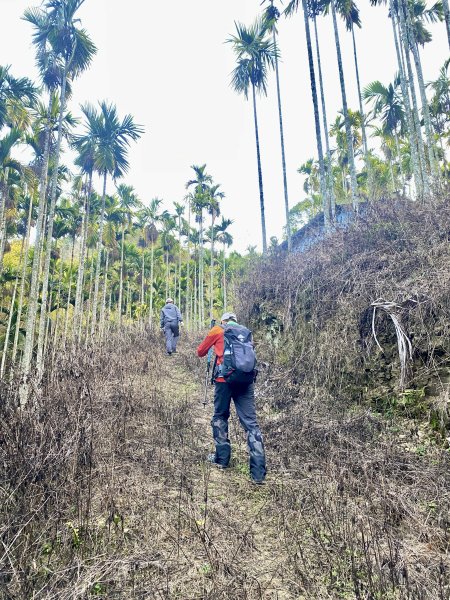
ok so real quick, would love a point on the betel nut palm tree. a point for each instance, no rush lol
(201, 184)
(149, 216)
(270, 18)
(111, 138)
(292, 7)
(63, 51)
(255, 53)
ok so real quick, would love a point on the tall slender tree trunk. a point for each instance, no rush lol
(195, 296)
(167, 273)
(399, 159)
(348, 131)
(211, 272)
(201, 306)
(77, 320)
(179, 264)
(119, 305)
(90, 299)
(51, 214)
(58, 305)
(412, 137)
(103, 306)
(363, 120)
(415, 109)
(423, 97)
(22, 284)
(283, 154)
(99, 257)
(69, 293)
(9, 324)
(224, 285)
(142, 277)
(260, 180)
(8, 328)
(35, 270)
(188, 268)
(152, 266)
(447, 18)
(331, 200)
(312, 77)
(3, 200)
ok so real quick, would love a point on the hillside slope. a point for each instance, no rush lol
(105, 492)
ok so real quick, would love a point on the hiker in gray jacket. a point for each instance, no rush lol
(170, 324)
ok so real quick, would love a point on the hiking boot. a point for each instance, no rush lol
(257, 481)
(169, 353)
(211, 458)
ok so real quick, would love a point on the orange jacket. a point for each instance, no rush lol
(214, 338)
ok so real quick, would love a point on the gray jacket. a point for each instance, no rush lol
(170, 314)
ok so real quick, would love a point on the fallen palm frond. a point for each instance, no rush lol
(404, 343)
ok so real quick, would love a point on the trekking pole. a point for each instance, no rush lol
(208, 368)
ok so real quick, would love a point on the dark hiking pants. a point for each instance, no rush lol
(172, 333)
(244, 401)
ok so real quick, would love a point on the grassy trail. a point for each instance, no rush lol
(217, 534)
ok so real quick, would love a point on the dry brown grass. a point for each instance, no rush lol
(368, 513)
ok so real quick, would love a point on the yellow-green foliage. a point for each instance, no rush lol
(11, 259)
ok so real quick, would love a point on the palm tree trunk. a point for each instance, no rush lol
(423, 97)
(103, 306)
(363, 119)
(3, 200)
(119, 305)
(69, 293)
(142, 277)
(224, 280)
(348, 131)
(152, 266)
(22, 284)
(179, 264)
(35, 270)
(331, 201)
(283, 155)
(188, 269)
(99, 257)
(447, 18)
(415, 109)
(81, 262)
(58, 302)
(412, 138)
(51, 214)
(8, 328)
(397, 147)
(128, 299)
(167, 272)
(90, 298)
(260, 180)
(211, 270)
(312, 77)
(195, 296)
(201, 306)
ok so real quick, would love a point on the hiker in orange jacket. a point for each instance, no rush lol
(244, 400)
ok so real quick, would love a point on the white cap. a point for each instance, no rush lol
(228, 316)
(169, 300)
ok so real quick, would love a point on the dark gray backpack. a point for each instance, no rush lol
(239, 358)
